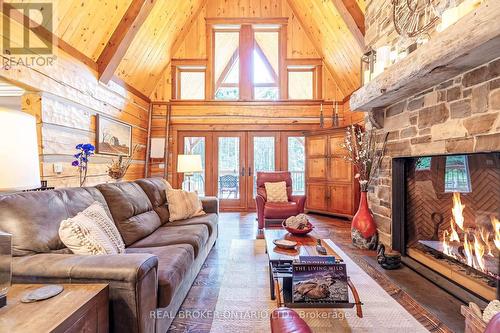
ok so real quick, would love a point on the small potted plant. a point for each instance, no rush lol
(84, 151)
(365, 150)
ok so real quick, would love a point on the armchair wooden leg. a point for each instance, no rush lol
(359, 310)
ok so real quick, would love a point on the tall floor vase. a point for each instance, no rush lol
(363, 228)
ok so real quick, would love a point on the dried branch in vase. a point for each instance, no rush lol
(118, 168)
(365, 150)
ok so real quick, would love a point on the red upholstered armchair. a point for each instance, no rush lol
(277, 210)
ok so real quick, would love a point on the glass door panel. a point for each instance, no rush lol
(263, 156)
(230, 169)
(196, 146)
(296, 163)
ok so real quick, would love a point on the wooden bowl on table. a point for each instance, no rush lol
(298, 232)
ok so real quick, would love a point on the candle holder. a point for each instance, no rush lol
(321, 117)
(336, 117)
(368, 66)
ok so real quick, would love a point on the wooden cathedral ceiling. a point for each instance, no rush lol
(138, 49)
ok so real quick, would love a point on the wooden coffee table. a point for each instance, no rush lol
(306, 246)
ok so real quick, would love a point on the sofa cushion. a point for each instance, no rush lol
(131, 209)
(90, 233)
(33, 218)
(280, 210)
(174, 263)
(194, 235)
(183, 205)
(276, 192)
(155, 189)
(210, 220)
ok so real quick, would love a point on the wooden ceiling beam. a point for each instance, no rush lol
(354, 19)
(122, 37)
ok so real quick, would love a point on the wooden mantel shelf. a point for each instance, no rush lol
(470, 42)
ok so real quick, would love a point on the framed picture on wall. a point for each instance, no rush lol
(113, 137)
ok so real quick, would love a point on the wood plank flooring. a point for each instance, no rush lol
(436, 309)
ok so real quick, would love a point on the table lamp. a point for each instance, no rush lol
(19, 170)
(188, 165)
(19, 163)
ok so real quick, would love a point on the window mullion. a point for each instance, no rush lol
(246, 62)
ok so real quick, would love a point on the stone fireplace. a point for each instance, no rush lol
(456, 120)
(441, 102)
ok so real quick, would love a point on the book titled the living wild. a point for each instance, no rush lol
(320, 283)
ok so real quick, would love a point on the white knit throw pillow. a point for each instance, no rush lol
(91, 232)
(276, 192)
(183, 205)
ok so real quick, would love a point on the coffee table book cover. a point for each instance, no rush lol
(320, 283)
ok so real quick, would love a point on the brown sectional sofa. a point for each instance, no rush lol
(147, 284)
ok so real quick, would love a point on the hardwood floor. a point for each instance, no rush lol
(435, 308)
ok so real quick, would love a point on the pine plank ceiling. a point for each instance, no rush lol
(88, 26)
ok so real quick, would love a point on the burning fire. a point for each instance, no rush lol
(496, 230)
(476, 243)
(458, 210)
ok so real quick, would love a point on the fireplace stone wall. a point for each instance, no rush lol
(461, 115)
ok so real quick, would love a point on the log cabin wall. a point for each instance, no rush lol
(65, 97)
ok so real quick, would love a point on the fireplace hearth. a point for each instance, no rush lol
(446, 212)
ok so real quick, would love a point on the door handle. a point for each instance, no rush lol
(242, 171)
(250, 172)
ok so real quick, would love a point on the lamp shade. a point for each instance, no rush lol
(19, 164)
(189, 163)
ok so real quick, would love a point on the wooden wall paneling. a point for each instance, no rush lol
(299, 44)
(87, 26)
(190, 42)
(247, 8)
(332, 39)
(150, 50)
(122, 37)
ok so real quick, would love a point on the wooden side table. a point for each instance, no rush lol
(79, 308)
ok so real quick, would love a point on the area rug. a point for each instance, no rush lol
(244, 303)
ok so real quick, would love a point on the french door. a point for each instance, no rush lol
(231, 161)
(230, 170)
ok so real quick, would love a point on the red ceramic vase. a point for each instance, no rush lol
(363, 227)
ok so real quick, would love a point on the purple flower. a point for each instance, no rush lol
(75, 163)
(88, 147)
(79, 146)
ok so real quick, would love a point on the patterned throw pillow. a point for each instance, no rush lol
(91, 232)
(183, 205)
(276, 192)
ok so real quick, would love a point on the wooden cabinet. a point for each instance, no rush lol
(330, 184)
